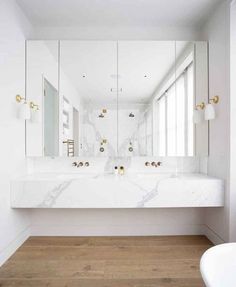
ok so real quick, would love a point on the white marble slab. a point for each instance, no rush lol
(61, 190)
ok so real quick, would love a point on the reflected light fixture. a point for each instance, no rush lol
(34, 106)
(210, 113)
(198, 113)
(35, 116)
(24, 109)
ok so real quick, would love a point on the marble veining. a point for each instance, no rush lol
(149, 196)
(52, 195)
(106, 190)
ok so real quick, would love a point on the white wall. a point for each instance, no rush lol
(14, 224)
(217, 32)
(232, 217)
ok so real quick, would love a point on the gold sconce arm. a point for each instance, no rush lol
(34, 106)
(215, 100)
(19, 99)
(200, 106)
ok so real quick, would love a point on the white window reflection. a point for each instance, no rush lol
(175, 111)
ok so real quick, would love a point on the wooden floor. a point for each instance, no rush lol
(106, 262)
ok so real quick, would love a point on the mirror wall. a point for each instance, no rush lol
(88, 84)
(108, 98)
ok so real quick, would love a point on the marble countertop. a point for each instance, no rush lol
(104, 190)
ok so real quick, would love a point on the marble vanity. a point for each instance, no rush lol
(115, 104)
(106, 190)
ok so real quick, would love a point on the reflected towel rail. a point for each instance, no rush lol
(70, 147)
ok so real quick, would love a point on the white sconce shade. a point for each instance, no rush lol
(197, 116)
(210, 113)
(24, 111)
(35, 116)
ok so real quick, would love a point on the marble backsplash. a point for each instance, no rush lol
(132, 165)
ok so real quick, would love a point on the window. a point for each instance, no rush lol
(175, 135)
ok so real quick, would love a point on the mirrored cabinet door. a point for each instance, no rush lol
(191, 84)
(146, 72)
(173, 106)
(74, 84)
(160, 85)
(88, 91)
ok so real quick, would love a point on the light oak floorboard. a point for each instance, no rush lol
(164, 261)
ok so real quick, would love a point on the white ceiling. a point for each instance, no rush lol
(90, 13)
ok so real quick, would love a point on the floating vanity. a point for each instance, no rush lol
(146, 190)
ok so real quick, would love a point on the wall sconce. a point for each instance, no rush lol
(210, 113)
(34, 112)
(19, 99)
(198, 113)
(24, 110)
(34, 107)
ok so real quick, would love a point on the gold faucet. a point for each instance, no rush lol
(121, 170)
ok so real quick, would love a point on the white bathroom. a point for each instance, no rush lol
(117, 156)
